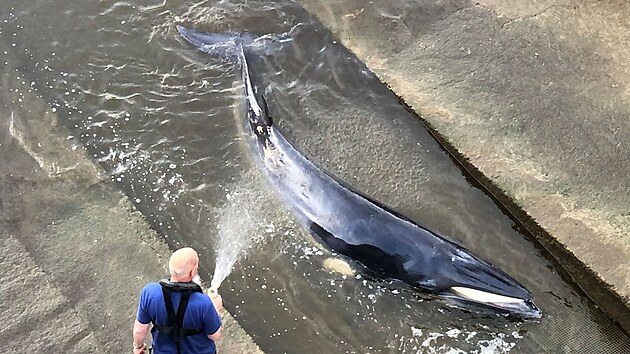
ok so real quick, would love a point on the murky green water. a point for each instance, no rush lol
(163, 120)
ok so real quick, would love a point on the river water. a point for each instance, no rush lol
(163, 120)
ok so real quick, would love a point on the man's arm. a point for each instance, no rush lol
(139, 332)
(216, 335)
(217, 303)
(141, 324)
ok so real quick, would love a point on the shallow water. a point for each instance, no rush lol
(163, 120)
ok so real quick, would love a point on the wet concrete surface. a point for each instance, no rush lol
(534, 96)
(74, 253)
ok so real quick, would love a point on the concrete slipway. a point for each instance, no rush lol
(533, 99)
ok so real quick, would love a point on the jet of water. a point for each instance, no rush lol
(239, 225)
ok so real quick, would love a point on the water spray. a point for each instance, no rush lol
(215, 283)
(214, 287)
(237, 224)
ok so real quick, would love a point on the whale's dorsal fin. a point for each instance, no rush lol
(266, 117)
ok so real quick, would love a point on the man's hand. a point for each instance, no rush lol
(139, 332)
(217, 300)
(140, 350)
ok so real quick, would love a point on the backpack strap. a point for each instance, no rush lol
(176, 319)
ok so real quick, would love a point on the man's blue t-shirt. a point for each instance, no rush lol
(200, 314)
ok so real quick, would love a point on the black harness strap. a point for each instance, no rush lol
(176, 319)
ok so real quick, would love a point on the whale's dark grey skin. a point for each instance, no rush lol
(384, 242)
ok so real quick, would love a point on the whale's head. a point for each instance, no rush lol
(472, 283)
(471, 298)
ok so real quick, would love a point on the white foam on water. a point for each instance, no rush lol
(416, 332)
(496, 345)
(453, 333)
(431, 337)
(426, 341)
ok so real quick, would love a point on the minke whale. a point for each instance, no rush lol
(385, 243)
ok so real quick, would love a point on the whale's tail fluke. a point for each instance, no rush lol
(228, 45)
(242, 48)
(219, 44)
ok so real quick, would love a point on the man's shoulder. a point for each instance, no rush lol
(200, 297)
(200, 300)
(152, 288)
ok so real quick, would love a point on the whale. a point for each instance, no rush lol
(384, 243)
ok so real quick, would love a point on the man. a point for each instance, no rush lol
(185, 320)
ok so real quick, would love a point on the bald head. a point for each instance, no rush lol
(183, 264)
